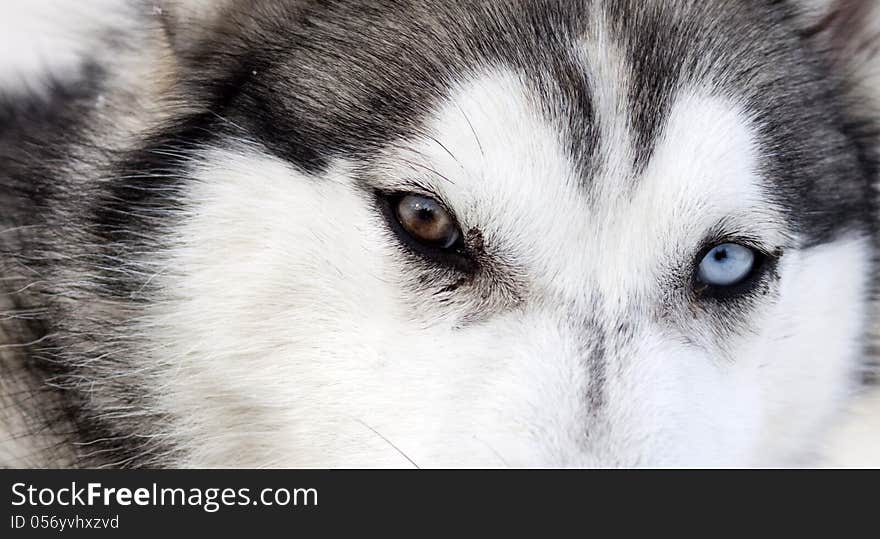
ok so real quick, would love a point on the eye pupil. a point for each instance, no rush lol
(427, 221)
(727, 265)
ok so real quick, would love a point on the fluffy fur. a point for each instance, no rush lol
(200, 269)
(45, 40)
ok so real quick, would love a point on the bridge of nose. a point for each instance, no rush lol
(507, 164)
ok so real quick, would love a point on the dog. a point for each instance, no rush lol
(427, 233)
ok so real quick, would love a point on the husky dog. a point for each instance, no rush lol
(546, 233)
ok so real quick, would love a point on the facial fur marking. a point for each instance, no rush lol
(655, 56)
(596, 364)
(200, 266)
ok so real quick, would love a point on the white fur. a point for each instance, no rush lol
(291, 336)
(41, 40)
(855, 438)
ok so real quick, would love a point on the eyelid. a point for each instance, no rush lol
(764, 266)
(415, 188)
(751, 228)
(412, 185)
(456, 258)
(709, 244)
(727, 235)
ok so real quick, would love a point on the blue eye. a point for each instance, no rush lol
(726, 265)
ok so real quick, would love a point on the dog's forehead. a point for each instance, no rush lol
(360, 78)
(604, 76)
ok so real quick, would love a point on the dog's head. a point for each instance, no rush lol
(529, 233)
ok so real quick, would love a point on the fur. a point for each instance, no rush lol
(200, 268)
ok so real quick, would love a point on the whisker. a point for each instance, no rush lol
(429, 169)
(445, 149)
(473, 131)
(379, 434)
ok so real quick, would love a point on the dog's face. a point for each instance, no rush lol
(538, 234)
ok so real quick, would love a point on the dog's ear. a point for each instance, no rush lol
(187, 22)
(42, 41)
(848, 33)
(840, 23)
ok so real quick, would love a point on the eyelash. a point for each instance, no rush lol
(456, 257)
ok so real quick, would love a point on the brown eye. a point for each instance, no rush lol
(426, 221)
